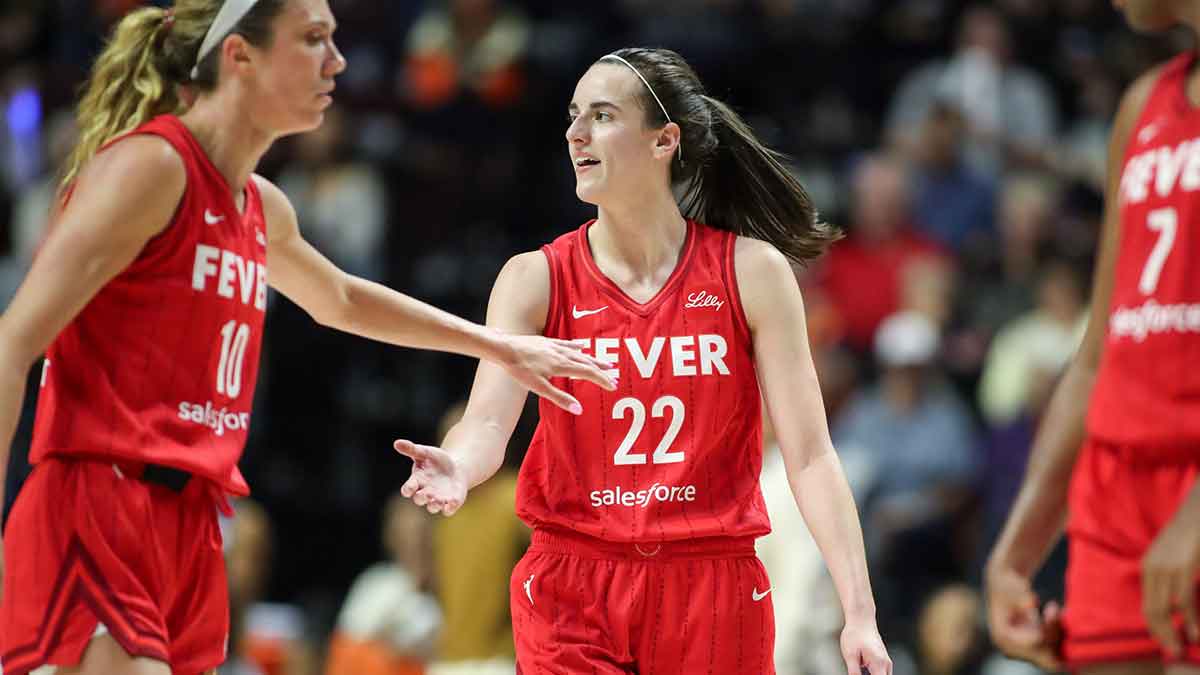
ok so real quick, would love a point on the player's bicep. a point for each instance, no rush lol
(95, 236)
(518, 304)
(775, 311)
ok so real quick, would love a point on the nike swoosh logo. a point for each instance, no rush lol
(212, 218)
(759, 596)
(580, 313)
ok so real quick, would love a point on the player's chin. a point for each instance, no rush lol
(586, 195)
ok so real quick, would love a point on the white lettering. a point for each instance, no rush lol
(237, 277)
(606, 352)
(216, 420)
(713, 350)
(1170, 168)
(1149, 318)
(682, 355)
(712, 353)
(204, 266)
(704, 299)
(1169, 163)
(655, 494)
(228, 272)
(260, 295)
(645, 363)
(245, 270)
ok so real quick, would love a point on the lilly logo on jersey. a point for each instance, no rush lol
(227, 268)
(219, 420)
(704, 299)
(655, 494)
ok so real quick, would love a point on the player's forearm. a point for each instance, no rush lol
(825, 501)
(478, 448)
(1040, 508)
(377, 312)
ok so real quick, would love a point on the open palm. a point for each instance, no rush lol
(436, 482)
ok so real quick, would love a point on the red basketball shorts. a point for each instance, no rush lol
(580, 605)
(87, 543)
(1120, 498)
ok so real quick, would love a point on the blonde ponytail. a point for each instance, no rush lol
(152, 52)
(127, 85)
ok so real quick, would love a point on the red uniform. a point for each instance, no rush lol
(142, 416)
(645, 507)
(1143, 447)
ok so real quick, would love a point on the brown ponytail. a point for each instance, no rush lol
(731, 180)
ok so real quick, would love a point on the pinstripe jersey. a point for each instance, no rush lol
(1147, 390)
(160, 366)
(675, 453)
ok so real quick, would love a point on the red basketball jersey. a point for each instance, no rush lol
(1148, 387)
(160, 366)
(674, 453)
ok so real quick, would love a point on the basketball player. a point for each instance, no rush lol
(152, 286)
(1119, 448)
(645, 508)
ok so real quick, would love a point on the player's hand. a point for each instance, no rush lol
(863, 648)
(532, 360)
(1169, 571)
(437, 482)
(1017, 627)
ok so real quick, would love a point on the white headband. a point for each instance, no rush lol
(661, 107)
(231, 12)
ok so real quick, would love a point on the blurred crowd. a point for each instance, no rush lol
(961, 146)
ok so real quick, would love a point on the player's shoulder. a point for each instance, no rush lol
(271, 193)
(529, 269)
(756, 257)
(1137, 94)
(139, 155)
(151, 172)
(277, 208)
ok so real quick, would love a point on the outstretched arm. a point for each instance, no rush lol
(355, 305)
(1036, 520)
(474, 448)
(775, 311)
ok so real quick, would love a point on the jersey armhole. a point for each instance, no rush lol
(68, 191)
(552, 310)
(735, 295)
(172, 227)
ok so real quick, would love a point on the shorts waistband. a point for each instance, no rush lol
(171, 478)
(707, 548)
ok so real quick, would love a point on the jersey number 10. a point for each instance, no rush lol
(234, 337)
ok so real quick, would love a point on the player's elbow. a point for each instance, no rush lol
(337, 306)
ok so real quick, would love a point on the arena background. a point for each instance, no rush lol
(961, 147)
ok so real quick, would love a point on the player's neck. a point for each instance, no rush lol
(639, 236)
(233, 146)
